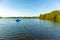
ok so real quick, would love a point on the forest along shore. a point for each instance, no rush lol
(53, 15)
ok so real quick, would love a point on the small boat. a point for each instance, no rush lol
(18, 20)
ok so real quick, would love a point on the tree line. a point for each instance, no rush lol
(54, 15)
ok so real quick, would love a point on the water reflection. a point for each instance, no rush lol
(54, 21)
(50, 29)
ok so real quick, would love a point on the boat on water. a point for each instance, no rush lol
(17, 20)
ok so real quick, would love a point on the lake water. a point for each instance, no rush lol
(29, 29)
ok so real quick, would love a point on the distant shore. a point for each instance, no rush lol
(18, 17)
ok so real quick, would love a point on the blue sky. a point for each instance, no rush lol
(27, 7)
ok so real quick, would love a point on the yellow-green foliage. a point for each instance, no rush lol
(54, 15)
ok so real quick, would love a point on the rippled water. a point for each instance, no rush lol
(29, 29)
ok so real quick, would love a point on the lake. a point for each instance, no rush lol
(29, 29)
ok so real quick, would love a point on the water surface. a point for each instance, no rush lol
(29, 29)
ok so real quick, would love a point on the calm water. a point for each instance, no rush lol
(29, 29)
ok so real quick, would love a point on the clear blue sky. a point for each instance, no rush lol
(27, 7)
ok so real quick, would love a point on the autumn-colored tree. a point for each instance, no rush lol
(54, 15)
